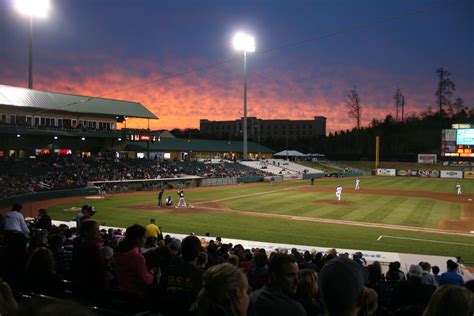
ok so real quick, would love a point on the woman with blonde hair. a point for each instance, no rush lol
(308, 292)
(449, 300)
(224, 292)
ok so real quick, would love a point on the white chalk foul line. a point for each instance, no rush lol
(425, 240)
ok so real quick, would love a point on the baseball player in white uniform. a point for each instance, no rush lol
(357, 187)
(338, 192)
(458, 188)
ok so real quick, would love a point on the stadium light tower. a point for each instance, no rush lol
(32, 8)
(245, 43)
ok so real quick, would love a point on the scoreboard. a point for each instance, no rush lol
(143, 137)
(457, 142)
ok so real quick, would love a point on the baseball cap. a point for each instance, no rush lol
(341, 278)
(451, 265)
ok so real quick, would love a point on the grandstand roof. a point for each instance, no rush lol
(49, 101)
(291, 153)
(199, 145)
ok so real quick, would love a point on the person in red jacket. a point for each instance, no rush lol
(132, 274)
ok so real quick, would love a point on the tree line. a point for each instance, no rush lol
(402, 136)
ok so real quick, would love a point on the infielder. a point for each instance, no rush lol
(338, 192)
(458, 188)
(357, 187)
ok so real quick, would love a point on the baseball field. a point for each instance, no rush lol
(397, 214)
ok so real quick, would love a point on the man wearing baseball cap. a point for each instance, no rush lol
(341, 283)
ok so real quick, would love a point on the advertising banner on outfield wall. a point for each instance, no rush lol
(403, 173)
(413, 173)
(386, 172)
(451, 174)
(468, 174)
(426, 158)
(428, 173)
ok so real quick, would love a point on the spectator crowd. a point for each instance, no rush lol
(88, 269)
(56, 172)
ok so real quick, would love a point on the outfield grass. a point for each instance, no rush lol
(406, 183)
(408, 211)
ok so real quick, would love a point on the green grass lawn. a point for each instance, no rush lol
(408, 211)
(406, 183)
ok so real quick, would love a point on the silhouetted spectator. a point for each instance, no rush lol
(224, 292)
(43, 221)
(410, 297)
(308, 292)
(82, 213)
(427, 278)
(451, 276)
(40, 273)
(259, 276)
(449, 300)
(132, 274)
(13, 221)
(182, 282)
(88, 261)
(394, 275)
(435, 270)
(341, 285)
(276, 297)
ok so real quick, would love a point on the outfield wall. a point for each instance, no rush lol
(47, 195)
(422, 173)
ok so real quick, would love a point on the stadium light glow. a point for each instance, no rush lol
(244, 42)
(34, 8)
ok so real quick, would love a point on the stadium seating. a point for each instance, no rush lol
(280, 167)
(24, 176)
(391, 287)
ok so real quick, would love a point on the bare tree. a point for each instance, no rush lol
(456, 106)
(354, 107)
(403, 106)
(445, 88)
(398, 98)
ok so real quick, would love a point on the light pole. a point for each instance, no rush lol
(245, 43)
(32, 8)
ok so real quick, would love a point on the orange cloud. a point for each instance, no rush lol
(217, 93)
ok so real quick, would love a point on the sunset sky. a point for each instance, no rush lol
(95, 47)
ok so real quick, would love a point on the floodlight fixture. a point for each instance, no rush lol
(33, 8)
(244, 42)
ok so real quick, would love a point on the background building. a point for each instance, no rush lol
(36, 122)
(259, 129)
